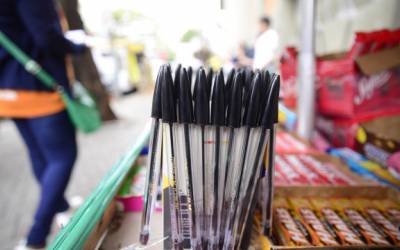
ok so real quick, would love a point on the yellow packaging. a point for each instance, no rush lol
(372, 212)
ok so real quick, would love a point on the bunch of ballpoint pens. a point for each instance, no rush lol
(209, 140)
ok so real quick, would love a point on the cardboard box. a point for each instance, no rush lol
(379, 140)
(377, 192)
(365, 79)
(342, 132)
(100, 230)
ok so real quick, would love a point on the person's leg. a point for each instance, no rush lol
(55, 135)
(36, 156)
(37, 159)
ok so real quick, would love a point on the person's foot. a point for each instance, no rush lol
(64, 217)
(23, 246)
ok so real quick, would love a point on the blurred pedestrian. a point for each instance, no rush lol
(39, 112)
(266, 45)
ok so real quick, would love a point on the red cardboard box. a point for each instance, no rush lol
(365, 79)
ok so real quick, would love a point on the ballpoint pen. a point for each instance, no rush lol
(202, 118)
(275, 85)
(169, 117)
(247, 158)
(218, 121)
(154, 161)
(186, 163)
(233, 149)
(267, 115)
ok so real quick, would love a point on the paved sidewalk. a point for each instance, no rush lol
(98, 152)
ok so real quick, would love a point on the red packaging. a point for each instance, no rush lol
(292, 177)
(288, 70)
(279, 179)
(344, 85)
(311, 176)
(342, 132)
(288, 144)
(327, 171)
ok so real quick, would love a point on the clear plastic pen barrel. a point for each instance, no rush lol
(170, 173)
(251, 181)
(197, 174)
(224, 141)
(269, 183)
(235, 175)
(209, 137)
(152, 177)
(185, 190)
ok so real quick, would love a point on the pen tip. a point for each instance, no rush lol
(144, 238)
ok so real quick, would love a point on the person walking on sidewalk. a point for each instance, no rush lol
(37, 111)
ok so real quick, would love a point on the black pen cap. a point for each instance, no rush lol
(201, 101)
(218, 100)
(177, 77)
(270, 115)
(253, 107)
(190, 74)
(248, 81)
(276, 79)
(235, 104)
(185, 99)
(156, 104)
(210, 77)
(227, 90)
(266, 84)
(168, 101)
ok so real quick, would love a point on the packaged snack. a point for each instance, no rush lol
(321, 234)
(377, 217)
(286, 143)
(391, 210)
(290, 231)
(350, 212)
(362, 166)
(311, 176)
(327, 171)
(288, 173)
(344, 232)
(279, 179)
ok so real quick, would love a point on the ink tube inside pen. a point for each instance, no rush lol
(154, 168)
(182, 186)
(221, 188)
(202, 118)
(170, 173)
(197, 173)
(234, 155)
(251, 139)
(186, 166)
(272, 121)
